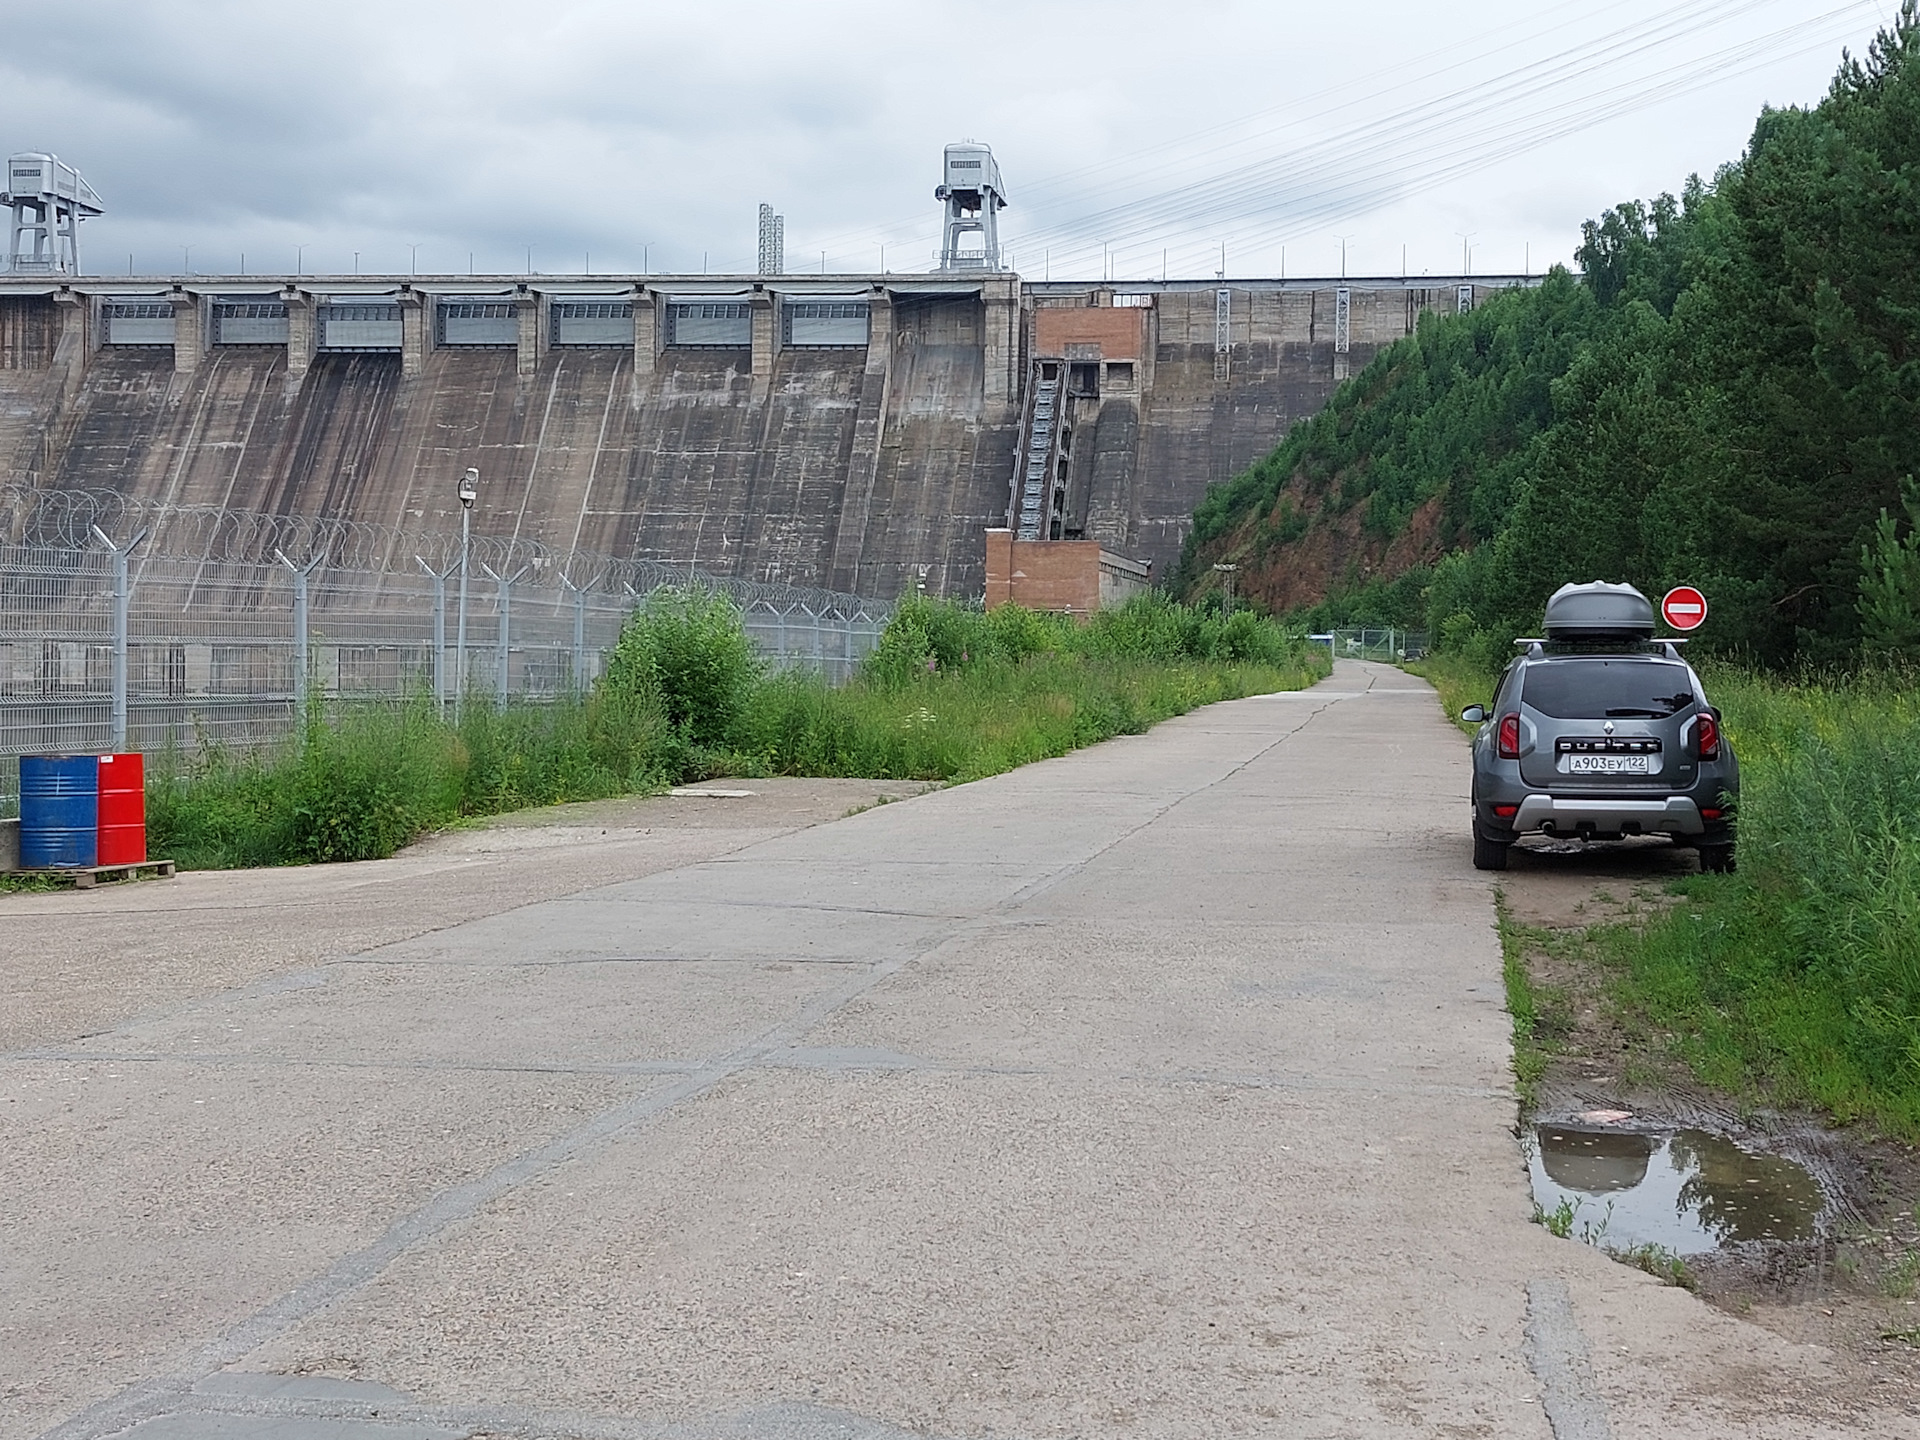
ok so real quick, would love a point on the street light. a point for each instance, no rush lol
(469, 492)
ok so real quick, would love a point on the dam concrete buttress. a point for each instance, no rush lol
(857, 433)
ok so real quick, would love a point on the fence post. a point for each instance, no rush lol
(506, 583)
(118, 742)
(506, 636)
(301, 667)
(439, 629)
(579, 676)
(117, 682)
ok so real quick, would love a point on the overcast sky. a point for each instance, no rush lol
(1131, 135)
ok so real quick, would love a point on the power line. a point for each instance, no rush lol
(1414, 150)
(1377, 158)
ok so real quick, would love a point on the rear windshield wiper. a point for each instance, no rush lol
(1635, 710)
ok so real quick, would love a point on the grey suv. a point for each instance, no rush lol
(1599, 731)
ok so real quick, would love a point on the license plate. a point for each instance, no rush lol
(1610, 764)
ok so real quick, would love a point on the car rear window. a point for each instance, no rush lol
(1591, 689)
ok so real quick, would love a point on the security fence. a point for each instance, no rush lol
(119, 647)
(1384, 644)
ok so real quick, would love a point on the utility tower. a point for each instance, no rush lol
(974, 197)
(773, 242)
(48, 201)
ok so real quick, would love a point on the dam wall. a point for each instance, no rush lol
(856, 433)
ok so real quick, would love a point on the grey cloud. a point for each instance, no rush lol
(582, 127)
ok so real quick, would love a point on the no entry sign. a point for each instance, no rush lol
(1685, 608)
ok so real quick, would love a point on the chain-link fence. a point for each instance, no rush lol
(118, 647)
(1389, 645)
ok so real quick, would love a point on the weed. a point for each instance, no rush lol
(1529, 1054)
(1595, 1235)
(1657, 1261)
(685, 698)
(1897, 1281)
(1799, 976)
(1460, 682)
(1559, 1220)
(1908, 1336)
(1795, 981)
(29, 884)
(1554, 1018)
(686, 649)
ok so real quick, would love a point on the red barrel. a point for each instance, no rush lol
(123, 810)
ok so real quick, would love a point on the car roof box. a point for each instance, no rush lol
(1599, 611)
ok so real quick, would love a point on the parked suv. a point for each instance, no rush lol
(1599, 731)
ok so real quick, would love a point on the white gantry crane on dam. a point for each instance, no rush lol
(974, 196)
(48, 199)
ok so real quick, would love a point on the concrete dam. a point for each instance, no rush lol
(851, 432)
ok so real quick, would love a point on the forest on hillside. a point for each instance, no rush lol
(1727, 396)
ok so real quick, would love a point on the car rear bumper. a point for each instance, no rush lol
(1642, 815)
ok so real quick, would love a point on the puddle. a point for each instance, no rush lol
(1687, 1191)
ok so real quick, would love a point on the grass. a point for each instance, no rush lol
(1559, 1220)
(950, 695)
(1795, 981)
(1898, 1279)
(1460, 683)
(1656, 1260)
(966, 724)
(363, 779)
(1530, 1054)
(1799, 977)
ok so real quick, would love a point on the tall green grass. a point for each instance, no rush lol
(949, 694)
(363, 779)
(1796, 979)
(1799, 976)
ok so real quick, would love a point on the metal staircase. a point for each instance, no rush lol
(1039, 489)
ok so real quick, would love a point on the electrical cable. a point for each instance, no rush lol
(1386, 157)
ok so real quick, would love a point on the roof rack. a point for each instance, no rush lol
(1595, 645)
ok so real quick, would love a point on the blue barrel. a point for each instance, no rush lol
(59, 811)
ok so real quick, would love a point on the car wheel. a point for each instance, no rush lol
(1488, 854)
(1716, 860)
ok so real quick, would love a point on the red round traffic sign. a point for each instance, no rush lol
(1684, 608)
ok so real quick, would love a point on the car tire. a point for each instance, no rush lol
(1717, 860)
(1488, 854)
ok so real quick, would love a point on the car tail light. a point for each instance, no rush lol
(1506, 812)
(1509, 737)
(1709, 736)
(1709, 813)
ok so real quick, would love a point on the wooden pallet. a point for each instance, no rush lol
(87, 876)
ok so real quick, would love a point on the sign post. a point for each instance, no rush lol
(1684, 608)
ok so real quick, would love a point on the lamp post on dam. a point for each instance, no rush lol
(469, 492)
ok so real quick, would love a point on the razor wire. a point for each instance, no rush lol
(217, 537)
(159, 651)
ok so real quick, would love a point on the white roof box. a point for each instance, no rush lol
(1599, 611)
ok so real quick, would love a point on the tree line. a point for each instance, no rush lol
(1728, 395)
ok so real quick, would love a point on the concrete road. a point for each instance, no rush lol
(1161, 1090)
